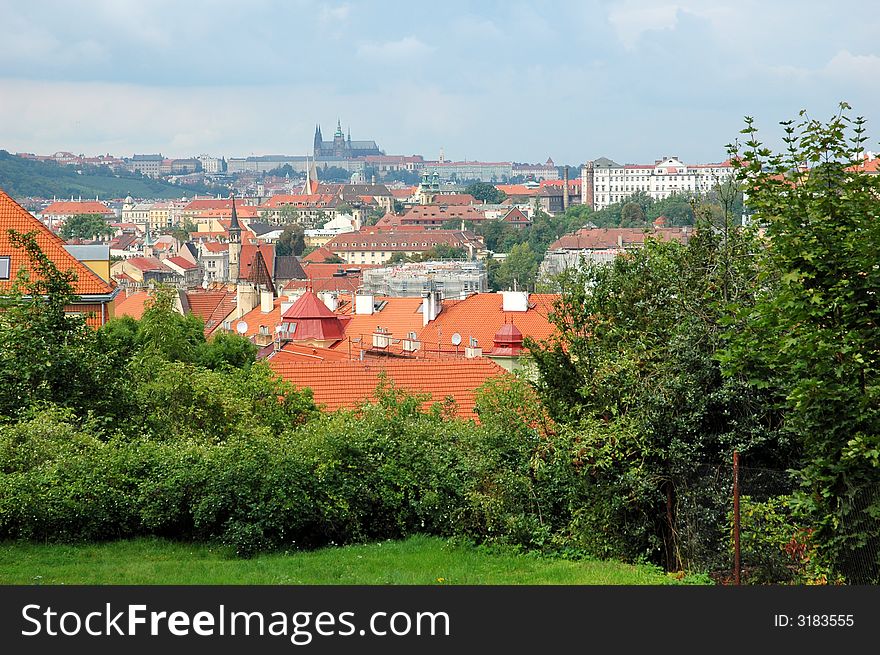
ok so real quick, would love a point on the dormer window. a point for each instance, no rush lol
(4, 268)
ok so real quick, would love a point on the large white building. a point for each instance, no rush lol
(606, 182)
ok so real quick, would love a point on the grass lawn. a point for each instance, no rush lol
(416, 561)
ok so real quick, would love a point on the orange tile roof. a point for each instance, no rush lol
(399, 316)
(318, 255)
(242, 211)
(480, 316)
(256, 318)
(294, 352)
(517, 189)
(211, 306)
(403, 194)
(132, 305)
(301, 200)
(183, 263)
(249, 254)
(14, 217)
(616, 237)
(347, 384)
(69, 208)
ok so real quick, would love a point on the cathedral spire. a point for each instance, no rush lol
(234, 225)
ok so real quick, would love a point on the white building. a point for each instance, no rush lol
(612, 182)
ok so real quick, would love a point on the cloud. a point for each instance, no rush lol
(335, 14)
(409, 47)
(631, 20)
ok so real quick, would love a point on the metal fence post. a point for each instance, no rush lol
(736, 526)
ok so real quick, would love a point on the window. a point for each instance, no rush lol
(4, 268)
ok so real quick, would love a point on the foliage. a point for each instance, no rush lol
(485, 192)
(45, 354)
(634, 373)
(28, 177)
(519, 269)
(775, 546)
(813, 336)
(292, 241)
(85, 226)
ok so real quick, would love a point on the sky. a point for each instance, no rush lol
(632, 80)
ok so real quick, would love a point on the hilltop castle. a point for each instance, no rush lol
(341, 147)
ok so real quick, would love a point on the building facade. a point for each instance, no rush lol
(608, 182)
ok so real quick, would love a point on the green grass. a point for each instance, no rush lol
(416, 561)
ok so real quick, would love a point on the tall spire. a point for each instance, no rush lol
(338, 129)
(234, 225)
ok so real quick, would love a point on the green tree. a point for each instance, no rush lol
(292, 241)
(85, 226)
(634, 374)
(46, 354)
(632, 215)
(519, 268)
(813, 332)
(485, 192)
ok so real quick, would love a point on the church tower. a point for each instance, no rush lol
(319, 141)
(234, 243)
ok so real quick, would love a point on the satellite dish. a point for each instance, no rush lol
(456, 339)
(241, 327)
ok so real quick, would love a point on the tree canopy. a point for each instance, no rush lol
(85, 226)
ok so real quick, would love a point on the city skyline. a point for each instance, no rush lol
(629, 80)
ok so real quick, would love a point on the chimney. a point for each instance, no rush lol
(432, 305)
(267, 301)
(473, 350)
(329, 299)
(619, 240)
(363, 303)
(515, 301)
(565, 189)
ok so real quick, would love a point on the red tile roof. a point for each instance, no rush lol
(318, 255)
(249, 253)
(481, 316)
(394, 240)
(456, 199)
(211, 306)
(256, 319)
(69, 208)
(296, 352)
(14, 217)
(302, 200)
(611, 238)
(185, 264)
(399, 316)
(348, 384)
(146, 264)
(310, 318)
(132, 305)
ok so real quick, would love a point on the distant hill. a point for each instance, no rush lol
(23, 178)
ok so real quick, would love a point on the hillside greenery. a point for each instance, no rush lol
(27, 178)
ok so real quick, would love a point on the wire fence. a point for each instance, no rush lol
(776, 544)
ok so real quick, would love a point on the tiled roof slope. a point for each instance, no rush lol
(71, 207)
(14, 217)
(616, 237)
(347, 384)
(480, 316)
(132, 305)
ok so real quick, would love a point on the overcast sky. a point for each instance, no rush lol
(497, 81)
